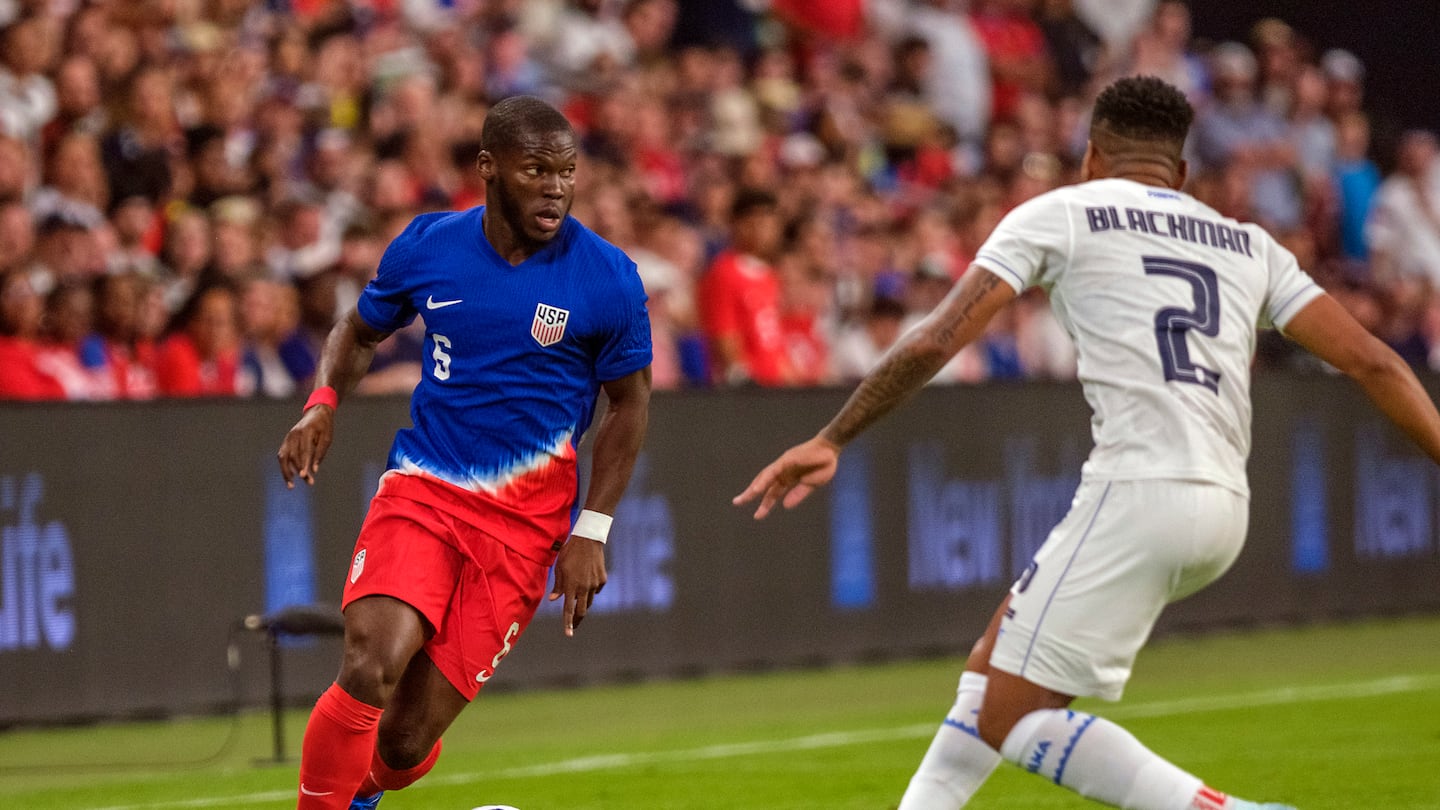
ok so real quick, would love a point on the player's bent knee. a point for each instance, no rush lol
(1008, 698)
(995, 726)
(979, 660)
(369, 675)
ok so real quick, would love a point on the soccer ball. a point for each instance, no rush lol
(495, 807)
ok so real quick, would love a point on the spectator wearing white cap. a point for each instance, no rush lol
(1238, 134)
(1345, 80)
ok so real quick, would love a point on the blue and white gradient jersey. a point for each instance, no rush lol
(514, 358)
(1162, 296)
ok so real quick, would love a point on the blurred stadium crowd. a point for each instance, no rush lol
(192, 191)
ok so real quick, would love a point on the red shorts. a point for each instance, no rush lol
(477, 594)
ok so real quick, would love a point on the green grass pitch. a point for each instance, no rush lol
(1327, 718)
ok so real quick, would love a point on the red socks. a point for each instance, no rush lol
(383, 777)
(335, 756)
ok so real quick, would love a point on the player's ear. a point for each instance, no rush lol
(1087, 163)
(1182, 172)
(485, 164)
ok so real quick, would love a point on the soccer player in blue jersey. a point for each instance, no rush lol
(528, 315)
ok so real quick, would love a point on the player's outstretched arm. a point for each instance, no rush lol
(914, 359)
(1329, 332)
(580, 566)
(343, 361)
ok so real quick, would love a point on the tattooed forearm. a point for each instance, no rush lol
(953, 315)
(899, 375)
(917, 357)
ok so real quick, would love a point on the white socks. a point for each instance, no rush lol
(1100, 760)
(958, 761)
(1087, 754)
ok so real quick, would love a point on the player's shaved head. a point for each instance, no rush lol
(1141, 117)
(510, 120)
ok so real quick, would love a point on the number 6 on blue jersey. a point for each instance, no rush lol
(442, 358)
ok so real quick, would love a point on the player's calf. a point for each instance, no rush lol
(1102, 761)
(383, 777)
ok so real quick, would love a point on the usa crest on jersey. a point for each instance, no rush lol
(549, 324)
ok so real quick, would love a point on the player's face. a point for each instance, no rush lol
(532, 183)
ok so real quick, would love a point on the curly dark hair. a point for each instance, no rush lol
(1141, 110)
(511, 119)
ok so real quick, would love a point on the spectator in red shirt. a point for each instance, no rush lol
(740, 298)
(1019, 56)
(69, 314)
(804, 298)
(202, 357)
(661, 168)
(121, 357)
(20, 314)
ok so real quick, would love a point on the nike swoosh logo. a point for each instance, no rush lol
(431, 303)
(309, 792)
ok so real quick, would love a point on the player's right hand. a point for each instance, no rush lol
(792, 477)
(305, 445)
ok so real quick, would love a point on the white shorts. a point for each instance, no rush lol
(1084, 608)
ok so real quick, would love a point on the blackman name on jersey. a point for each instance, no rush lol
(1190, 229)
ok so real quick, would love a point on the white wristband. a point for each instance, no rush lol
(593, 525)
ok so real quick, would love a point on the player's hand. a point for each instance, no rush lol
(792, 477)
(305, 445)
(579, 575)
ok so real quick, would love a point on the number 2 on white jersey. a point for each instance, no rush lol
(442, 359)
(1173, 324)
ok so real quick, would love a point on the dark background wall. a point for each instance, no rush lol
(133, 538)
(1397, 41)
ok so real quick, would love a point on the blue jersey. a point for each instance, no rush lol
(514, 357)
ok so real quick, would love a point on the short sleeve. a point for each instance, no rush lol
(1288, 288)
(1018, 249)
(625, 347)
(385, 302)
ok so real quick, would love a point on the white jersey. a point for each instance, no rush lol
(1162, 296)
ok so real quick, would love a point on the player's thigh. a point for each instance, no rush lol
(382, 632)
(406, 551)
(401, 580)
(1088, 602)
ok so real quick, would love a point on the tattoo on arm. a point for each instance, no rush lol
(951, 318)
(917, 357)
(892, 382)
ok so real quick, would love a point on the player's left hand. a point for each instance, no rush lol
(793, 476)
(305, 445)
(579, 575)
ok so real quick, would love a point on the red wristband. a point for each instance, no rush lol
(324, 395)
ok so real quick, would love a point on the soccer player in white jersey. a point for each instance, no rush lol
(1162, 296)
